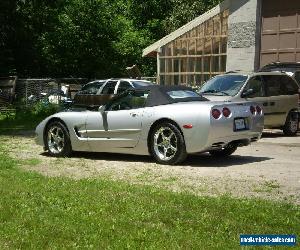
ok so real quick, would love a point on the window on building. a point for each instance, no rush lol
(197, 55)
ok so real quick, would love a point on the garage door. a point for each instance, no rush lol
(280, 36)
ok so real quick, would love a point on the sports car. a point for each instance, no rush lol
(166, 122)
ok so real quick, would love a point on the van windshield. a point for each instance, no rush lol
(226, 85)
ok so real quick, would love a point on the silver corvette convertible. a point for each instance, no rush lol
(167, 122)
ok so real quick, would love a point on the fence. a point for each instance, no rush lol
(29, 91)
(16, 93)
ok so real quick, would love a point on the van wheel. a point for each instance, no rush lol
(226, 151)
(291, 125)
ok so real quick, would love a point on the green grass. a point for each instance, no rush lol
(41, 212)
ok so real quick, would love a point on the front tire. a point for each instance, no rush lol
(167, 144)
(291, 125)
(57, 140)
(226, 151)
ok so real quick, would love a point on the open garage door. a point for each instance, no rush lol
(280, 34)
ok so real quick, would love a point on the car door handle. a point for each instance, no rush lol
(265, 104)
(133, 114)
(272, 103)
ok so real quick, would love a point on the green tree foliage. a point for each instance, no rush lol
(86, 38)
(7, 34)
(184, 11)
(81, 41)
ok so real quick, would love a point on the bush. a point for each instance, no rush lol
(27, 118)
(42, 109)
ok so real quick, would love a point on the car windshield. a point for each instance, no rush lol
(225, 85)
(137, 84)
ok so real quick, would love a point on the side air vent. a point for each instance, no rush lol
(77, 132)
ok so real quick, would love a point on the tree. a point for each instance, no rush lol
(81, 42)
(184, 11)
(7, 34)
(87, 38)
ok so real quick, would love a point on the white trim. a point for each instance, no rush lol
(187, 27)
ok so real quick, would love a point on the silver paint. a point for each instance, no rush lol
(121, 132)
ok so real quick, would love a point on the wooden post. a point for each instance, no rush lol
(158, 66)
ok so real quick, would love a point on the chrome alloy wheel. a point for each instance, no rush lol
(56, 140)
(165, 143)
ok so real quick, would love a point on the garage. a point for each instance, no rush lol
(280, 34)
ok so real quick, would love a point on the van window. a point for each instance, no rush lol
(272, 83)
(288, 86)
(257, 85)
(297, 76)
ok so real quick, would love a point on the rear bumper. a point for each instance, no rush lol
(221, 133)
(240, 140)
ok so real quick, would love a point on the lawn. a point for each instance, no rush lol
(42, 212)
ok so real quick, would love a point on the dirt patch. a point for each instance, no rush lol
(268, 169)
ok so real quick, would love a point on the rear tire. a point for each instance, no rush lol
(226, 151)
(57, 140)
(167, 144)
(291, 125)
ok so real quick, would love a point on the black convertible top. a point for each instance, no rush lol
(158, 95)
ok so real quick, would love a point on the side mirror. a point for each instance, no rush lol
(247, 93)
(102, 109)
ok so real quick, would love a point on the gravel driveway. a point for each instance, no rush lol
(268, 169)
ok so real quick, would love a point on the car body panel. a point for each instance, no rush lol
(114, 129)
(75, 122)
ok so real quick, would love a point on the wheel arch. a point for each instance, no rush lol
(154, 124)
(293, 111)
(53, 119)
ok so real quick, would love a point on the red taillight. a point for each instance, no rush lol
(216, 113)
(252, 110)
(258, 110)
(226, 112)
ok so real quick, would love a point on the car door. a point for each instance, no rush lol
(258, 94)
(118, 125)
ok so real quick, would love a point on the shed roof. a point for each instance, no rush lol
(153, 48)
